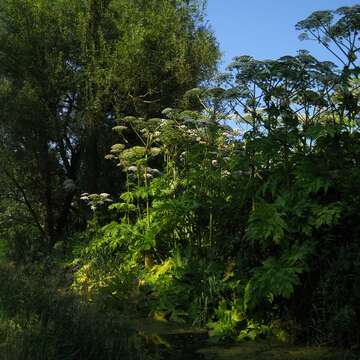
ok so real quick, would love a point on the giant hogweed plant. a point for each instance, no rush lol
(181, 180)
(194, 154)
(265, 200)
(194, 183)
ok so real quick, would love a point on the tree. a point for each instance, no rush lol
(68, 69)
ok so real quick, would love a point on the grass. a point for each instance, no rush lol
(266, 350)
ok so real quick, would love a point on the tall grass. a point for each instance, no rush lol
(41, 320)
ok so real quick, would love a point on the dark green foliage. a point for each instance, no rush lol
(68, 70)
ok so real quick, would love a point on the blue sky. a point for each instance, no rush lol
(265, 29)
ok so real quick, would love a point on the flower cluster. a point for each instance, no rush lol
(96, 200)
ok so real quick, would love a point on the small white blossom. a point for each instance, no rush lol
(156, 172)
(132, 168)
(119, 128)
(110, 157)
(117, 148)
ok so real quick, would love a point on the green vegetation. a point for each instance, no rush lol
(126, 195)
(40, 319)
(262, 350)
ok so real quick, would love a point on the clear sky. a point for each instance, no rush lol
(265, 29)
